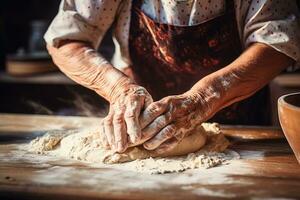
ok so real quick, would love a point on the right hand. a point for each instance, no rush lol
(121, 126)
(87, 67)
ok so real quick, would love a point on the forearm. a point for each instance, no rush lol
(258, 65)
(85, 66)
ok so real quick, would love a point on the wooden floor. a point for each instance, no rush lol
(267, 169)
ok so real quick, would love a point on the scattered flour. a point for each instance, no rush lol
(200, 159)
(85, 145)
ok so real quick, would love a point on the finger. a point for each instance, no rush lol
(167, 146)
(156, 126)
(120, 132)
(151, 113)
(148, 101)
(142, 92)
(131, 118)
(109, 130)
(165, 134)
(103, 138)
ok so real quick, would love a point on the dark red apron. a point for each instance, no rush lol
(169, 60)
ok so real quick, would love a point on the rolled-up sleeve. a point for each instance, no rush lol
(272, 22)
(79, 20)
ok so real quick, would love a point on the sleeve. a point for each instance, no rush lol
(272, 22)
(80, 20)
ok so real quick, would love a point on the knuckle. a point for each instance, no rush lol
(118, 117)
(167, 99)
(130, 114)
(130, 99)
(179, 135)
(133, 106)
(118, 108)
(163, 120)
(155, 108)
(160, 123)
(169, 131)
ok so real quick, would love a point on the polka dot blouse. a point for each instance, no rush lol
(273, 22)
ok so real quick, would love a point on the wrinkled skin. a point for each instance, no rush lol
(133, 119)
(162, 124)
(87, 67)
(121, 126)
(166, 122)
(171, 119)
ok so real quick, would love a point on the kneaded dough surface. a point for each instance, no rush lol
(85, 145)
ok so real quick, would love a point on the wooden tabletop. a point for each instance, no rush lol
(267, 169)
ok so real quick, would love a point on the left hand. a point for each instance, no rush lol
(169, 120)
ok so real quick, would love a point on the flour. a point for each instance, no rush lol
(85, 145)
(200, 159)
(227, 80)
(213, 94)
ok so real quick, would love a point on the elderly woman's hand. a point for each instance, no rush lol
(170, 119)
(121, 126)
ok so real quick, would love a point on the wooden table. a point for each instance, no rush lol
(267, 169)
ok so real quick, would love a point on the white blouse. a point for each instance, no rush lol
(272, 22)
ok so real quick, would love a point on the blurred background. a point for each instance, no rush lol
(30, 83)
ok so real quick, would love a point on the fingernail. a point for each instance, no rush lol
(147, 146)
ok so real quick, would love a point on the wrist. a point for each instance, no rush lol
(207, 98)
(111, 82)
(121, 87)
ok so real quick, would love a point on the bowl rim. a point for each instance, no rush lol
(283, 102)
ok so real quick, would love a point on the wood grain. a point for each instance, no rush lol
(22, 122)
(252, 132)
(267, 169)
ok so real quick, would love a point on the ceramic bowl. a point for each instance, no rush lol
(289, 117)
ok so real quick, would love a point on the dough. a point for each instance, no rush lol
(85, 145)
